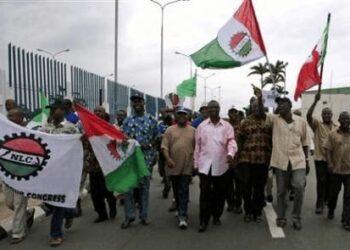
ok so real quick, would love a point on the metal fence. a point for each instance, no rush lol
(30, 74)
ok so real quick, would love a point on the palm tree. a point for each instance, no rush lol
(277, 73)
(260, 69)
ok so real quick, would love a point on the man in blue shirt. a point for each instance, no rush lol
(143, 128)
(203, 110)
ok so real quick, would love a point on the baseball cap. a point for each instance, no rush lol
(137, 96)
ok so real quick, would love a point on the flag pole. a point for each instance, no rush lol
(325, 48)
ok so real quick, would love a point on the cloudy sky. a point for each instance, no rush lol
(290, 29)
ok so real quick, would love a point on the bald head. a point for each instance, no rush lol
(100, 111)
(213, 109)
(16, 115)
(327, 115)
(344, 121)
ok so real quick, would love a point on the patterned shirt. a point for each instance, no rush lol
(144, 129)
(64, 127)
(255, 141)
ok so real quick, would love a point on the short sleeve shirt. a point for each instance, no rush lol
(143, 129)
(321, 131)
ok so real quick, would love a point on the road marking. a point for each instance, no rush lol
(276, 232)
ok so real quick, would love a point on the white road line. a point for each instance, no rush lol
(276, 232)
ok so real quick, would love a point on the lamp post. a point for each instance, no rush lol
(162, 7)
(189, 57)
(219, 96)
(53, 54)
(205, 84)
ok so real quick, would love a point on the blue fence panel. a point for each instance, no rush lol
(151, 105)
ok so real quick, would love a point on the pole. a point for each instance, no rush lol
(161, 52)
(205, 89)
(116, 41)
(325, 48)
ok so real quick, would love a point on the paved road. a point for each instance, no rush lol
(318, 233)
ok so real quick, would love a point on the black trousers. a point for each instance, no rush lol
(322, 182)
(336, 181)
(235, 187)
(99, 193)
(254, 179)
(212, 196)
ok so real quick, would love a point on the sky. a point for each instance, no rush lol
(290, 29)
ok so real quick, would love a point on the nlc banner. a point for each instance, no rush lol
(41, 166)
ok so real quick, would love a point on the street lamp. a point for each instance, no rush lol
(53, 54)
(189, 57)
(212, 89)
(162, 7)
(205, 84)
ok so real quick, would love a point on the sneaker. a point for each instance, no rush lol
(247, 218)
(297, 225)
(183, 224)
(176, 214)
(54, 242)
(144, 222)
(319, 210)
(281, 222)
(30, 217)
(16, 240)
(127, 223)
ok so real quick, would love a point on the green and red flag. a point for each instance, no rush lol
(238, 42)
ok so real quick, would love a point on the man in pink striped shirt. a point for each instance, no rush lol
(215, 148)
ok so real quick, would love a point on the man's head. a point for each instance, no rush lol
(213, 109)
(16, 115)
(284, 105)
(121, 115)
(10, 104)
(57, 110)
(68, 105)
(327, 115)
(344, 120)
(181, 116)
(100, 111)
(203, 110)
(138, 103)
(233, 114)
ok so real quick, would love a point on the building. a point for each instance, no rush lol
(338, 99)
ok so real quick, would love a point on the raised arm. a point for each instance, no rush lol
(311, 110)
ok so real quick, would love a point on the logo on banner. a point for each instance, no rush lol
(241, 44)
(22, 155)
(117, 149)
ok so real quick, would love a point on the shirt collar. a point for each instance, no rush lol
(208, 121)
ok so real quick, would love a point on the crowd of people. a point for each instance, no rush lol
(234, 158)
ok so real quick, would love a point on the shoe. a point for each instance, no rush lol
(172, 208)
(281, 222)
(165, 194)
(330, 215)
(237, 210)
(78, 211)
(144, 222)
(100, 219)
(247, 218)
(319, 210)
(54, 242)
(30, 217)
(183, 224)
(346, 226)
(297, 225)
(15, 240)
(202, 227)
(127, 223)
(112, 213)
(291, 196)
(229, 208)
(257, 218)
(216, 222)
(69, 223)
(176, 214)
(269, 198)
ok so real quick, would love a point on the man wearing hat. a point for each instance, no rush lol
(203, 110)
(143, 128)
(177, 147)
(57, 124)
(290, 142)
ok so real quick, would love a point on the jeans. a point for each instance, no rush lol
(297, 180)
(322, 178)
(254, 179)
(336, 181)
(212, 196)
(58, 215)
(129, 203)
(181, 191)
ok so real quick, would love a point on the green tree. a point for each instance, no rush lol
(259, 69)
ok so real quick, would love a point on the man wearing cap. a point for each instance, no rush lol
(58, 125)
(290, 142)
(214, 150)
(203, 110)
(143, 128)
(321, 130)
(177, 147)
(235, 185)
